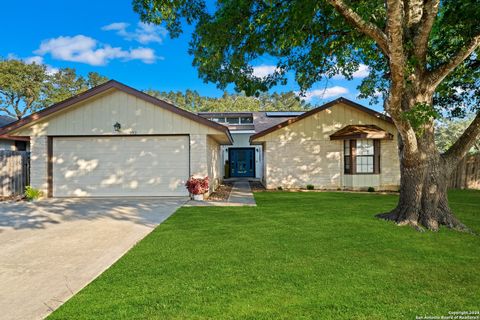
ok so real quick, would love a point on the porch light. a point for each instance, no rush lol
(117, 126)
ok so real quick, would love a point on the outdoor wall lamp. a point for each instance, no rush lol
(117, 126)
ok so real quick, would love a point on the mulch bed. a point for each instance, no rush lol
(256, 186)
(222, 193)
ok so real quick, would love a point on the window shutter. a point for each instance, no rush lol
(376, 152)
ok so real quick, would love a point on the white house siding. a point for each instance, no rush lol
(214, 163)
(302, 153)
(96, 117)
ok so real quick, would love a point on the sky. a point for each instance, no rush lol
(107, 37)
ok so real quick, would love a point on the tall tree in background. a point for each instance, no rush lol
(26, 88)
(66, 83)
(422, 55)
(192, 101)
(21, 87)
(449, 130)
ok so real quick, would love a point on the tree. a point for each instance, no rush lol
(66, 83)
(25, 88)
(21, 86)
(420, 53)
(449, 130)
(192, 101)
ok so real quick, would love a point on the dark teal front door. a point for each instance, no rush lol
(242, 162)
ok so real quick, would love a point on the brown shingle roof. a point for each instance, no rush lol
(358, 131)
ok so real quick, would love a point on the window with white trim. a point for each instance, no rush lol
(364, 156)
(361, 156)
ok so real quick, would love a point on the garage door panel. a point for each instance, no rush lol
(120, 166)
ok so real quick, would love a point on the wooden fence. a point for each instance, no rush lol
(467, 175)
(14, 172)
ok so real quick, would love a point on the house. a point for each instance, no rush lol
(11, 142)
(340, 145)
(113, 140)
(243, 159)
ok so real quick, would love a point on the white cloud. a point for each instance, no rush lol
(263, 70)
(143, 33)
(34, 59)
(147, 55)
(362, 72)
(116, 26)
(87, 50)
(325, 93)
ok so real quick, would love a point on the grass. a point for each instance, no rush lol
(295, 256)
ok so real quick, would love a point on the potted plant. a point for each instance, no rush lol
(197, 187)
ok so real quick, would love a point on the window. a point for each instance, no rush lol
(364, 156)
(220, 120)
(361, 156)
(246, 120)
(233, 120)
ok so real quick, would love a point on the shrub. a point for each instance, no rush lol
(32, 193)
(279, 188)
(197, 185)
(371, 189)
(310, 187)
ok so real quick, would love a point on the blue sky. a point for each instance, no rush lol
(106, 36)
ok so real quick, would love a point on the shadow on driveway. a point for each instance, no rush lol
(51, 249)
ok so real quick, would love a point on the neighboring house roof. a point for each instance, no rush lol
(321, 108)
(5, 120)
(359, 131)
(112, 84)
(261, 119)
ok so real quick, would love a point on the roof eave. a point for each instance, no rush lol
(111, 84)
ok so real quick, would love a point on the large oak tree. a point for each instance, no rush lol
(423, 57)
(29, 87)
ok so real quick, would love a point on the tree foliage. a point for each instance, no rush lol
(423, 58)
(449, 130)
(194, 102)
(25, 88)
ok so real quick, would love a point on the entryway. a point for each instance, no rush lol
(242, 162)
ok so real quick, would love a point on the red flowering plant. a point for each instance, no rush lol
(197, 185)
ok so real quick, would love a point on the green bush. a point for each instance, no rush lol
(371, 189)
(32, 193)
(310, 187)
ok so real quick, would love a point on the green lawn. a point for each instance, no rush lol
(295, 256)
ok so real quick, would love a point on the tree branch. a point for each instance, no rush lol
(435, 77)
(8, 112)
(413, 12)
(460, 148)
(367, 28)
(424, 28)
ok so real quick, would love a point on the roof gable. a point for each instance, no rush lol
(328, 105)
(112, 84)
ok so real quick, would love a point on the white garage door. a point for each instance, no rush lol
(120, 166)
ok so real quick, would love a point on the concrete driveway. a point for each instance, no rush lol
(51, 249)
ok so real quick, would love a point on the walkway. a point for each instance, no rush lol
(241, 195)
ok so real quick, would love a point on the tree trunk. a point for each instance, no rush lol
(423, 198)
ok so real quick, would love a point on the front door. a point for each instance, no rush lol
(242, 162)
